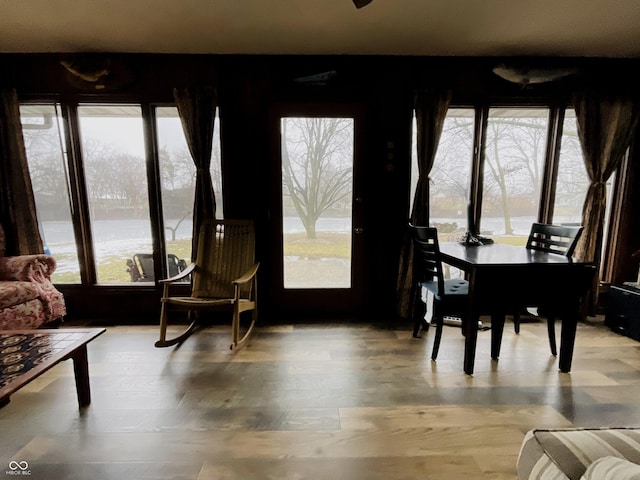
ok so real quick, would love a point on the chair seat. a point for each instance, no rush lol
(197, 301)
(452, 287)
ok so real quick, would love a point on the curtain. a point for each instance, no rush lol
(18, 208)
(605, 126)
(197, 109)
(431, 109)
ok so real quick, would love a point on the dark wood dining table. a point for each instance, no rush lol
(503, 278)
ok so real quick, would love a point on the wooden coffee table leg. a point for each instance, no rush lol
(81, 371)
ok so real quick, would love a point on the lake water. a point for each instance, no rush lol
(125, 237)
(118, 232)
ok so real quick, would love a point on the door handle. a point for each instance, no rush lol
(358, 230)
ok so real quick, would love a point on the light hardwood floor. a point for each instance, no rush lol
(314, 401)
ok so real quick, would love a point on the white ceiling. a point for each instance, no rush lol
(580, 28)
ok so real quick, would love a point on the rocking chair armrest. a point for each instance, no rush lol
(248, 276)
(183, 274)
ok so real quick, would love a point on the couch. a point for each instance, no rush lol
(580, 454)
(28, 299)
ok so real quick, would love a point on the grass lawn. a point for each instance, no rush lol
(327, 245)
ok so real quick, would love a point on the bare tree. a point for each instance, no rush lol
(450, 173)
(317, 165)
(115, 179)
(47, 169)
(514, 153)
(178, 177)
(573, 179)
(513, 161)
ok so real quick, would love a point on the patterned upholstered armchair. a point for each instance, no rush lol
(28, 299)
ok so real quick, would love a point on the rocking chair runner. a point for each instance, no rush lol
(223, 277)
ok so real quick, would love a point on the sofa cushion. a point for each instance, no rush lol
(612, 468)
(23, 316)
(566, 453)
(13, 293)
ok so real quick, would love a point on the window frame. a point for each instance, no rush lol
(78, 193)
(548, 187)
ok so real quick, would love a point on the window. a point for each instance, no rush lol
(572, 182)
(450, 175)
(43, 132)
(515, 149)
(113, 167)
(113, 153)
(514, 159)
(178, 183)
(317, 191)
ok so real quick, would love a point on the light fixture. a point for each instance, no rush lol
(524, 74)
(361, 3)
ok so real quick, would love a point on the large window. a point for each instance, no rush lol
(111, 170)
(573, 181)
(516, 141)
(178, 184)
(510, 173)
(43, 132)
(317, 191)
(113, 152)
(450, 174)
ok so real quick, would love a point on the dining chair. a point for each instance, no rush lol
(558, 239)
(450, 297)
(223, 277)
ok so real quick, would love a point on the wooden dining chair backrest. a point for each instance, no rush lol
(560, 239)
(426, 256)
(226, 251)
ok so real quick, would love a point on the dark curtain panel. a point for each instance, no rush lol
(431, 109)
(605, 126)
(197, 109)
(18, 206)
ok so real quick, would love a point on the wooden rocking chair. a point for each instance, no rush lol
(222, 277)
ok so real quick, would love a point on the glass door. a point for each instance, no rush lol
(319, 210)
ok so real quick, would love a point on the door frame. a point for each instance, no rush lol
(312, 302)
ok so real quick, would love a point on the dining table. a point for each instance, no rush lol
(503, 278)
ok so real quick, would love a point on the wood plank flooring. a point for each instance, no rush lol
(314, 401)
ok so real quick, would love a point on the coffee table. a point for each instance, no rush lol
(27, 354)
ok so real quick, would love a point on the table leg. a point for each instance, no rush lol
(470, 340)
(497, 327)
(471, 330)
(567, 340)
(81, 372)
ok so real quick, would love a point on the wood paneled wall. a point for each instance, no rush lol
(249, 85)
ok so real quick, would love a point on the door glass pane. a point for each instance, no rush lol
(115, 172)
(178, 183)
(317, 176)
(573, 181)
(514, 160)
(43, 132)
(450, 174)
